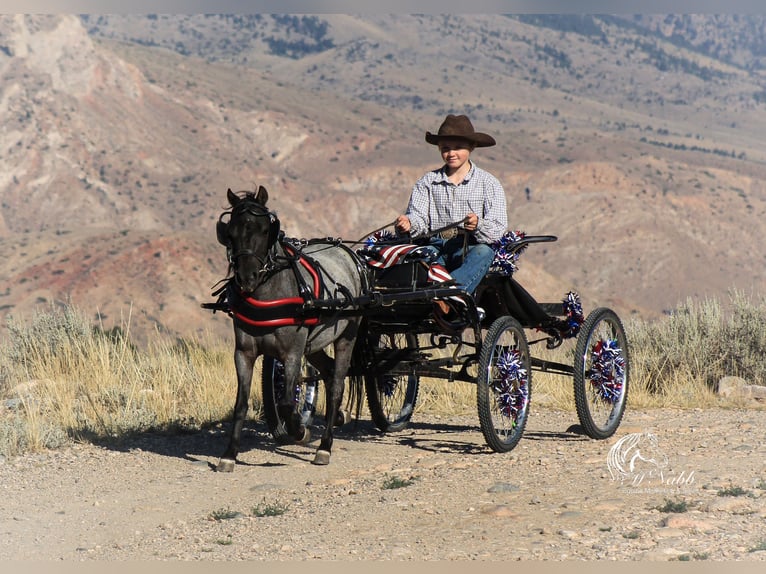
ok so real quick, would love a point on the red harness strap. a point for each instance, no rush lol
(275, 312)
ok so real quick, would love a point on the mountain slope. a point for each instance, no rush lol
(121, 134)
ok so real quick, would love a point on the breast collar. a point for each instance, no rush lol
(278, 312)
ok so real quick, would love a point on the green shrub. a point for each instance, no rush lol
(394, 482)
(733, 491)
(699, 343)
(270, 509)
(674, 507)
(224, 514)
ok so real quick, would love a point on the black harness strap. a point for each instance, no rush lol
(314, 299)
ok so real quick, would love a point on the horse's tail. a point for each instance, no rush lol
(356, 395)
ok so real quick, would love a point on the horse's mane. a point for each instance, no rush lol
(245, 194)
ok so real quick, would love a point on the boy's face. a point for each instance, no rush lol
(455, 152)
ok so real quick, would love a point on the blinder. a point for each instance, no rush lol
(222, 226)
(220, 230)
(274, 228)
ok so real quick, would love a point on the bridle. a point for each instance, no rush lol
(266, 262)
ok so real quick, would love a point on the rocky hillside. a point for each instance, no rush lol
(638, 139)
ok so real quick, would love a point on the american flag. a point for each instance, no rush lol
(385, 256)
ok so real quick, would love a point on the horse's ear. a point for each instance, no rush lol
(232, 197)
(262, 196)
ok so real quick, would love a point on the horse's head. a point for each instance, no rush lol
(249, 233)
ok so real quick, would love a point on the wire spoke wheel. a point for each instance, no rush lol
(601, 369)
(391, 393)
(305, 393)
(504, 384)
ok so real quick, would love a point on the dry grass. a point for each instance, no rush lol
(61, 379)
(67, 380)
(678, 361)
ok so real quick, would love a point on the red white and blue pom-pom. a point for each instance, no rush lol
(505, 259)
(382, 236)
(574, 314)
(279, 382)
(512, 384)
(607, 370)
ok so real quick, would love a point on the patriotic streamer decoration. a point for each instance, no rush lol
(607, 370)
(387, 386)
(383, 236)
(505, 259)
(512, 384)
(279, 382)
(573, 310)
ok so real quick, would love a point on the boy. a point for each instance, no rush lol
(458, 191)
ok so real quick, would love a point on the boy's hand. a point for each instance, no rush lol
(402, 224)
(471, 222)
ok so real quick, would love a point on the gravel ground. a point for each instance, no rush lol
(558, 496)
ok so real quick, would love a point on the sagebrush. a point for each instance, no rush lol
(63, 379)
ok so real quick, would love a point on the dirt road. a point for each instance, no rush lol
(433, 491)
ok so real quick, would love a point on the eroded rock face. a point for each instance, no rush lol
(56, 47)
(136, 124)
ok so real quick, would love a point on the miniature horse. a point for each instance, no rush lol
(273, 283)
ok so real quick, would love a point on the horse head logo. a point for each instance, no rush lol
(636, 456)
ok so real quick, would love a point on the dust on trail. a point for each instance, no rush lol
(556, 496)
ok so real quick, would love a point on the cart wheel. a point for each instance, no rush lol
(504, 384)
(273, 388)
(391, 397)
(601, 370)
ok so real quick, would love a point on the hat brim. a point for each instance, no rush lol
(479, 139)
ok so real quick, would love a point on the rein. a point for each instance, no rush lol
(433, 233)
(374, 231)
(446, 227)
(429, 234)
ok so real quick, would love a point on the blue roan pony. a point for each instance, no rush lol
(287, 301)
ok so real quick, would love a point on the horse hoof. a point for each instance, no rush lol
(342, 418)
(306, 438)
(225, 465)
(321, 457)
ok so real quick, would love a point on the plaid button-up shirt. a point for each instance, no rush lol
(436, 202)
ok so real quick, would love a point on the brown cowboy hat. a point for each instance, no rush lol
(459, 127)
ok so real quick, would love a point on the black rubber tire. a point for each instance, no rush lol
(601, 395)
(272, 387)
(391, 398)
(503, 414)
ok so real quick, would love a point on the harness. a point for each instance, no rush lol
(279, 312)
(304, 310)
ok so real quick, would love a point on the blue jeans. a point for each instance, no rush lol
(469, 271)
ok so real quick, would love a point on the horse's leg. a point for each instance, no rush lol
(244, 359)
(344, 348)
(286, 407)
(326, 366)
